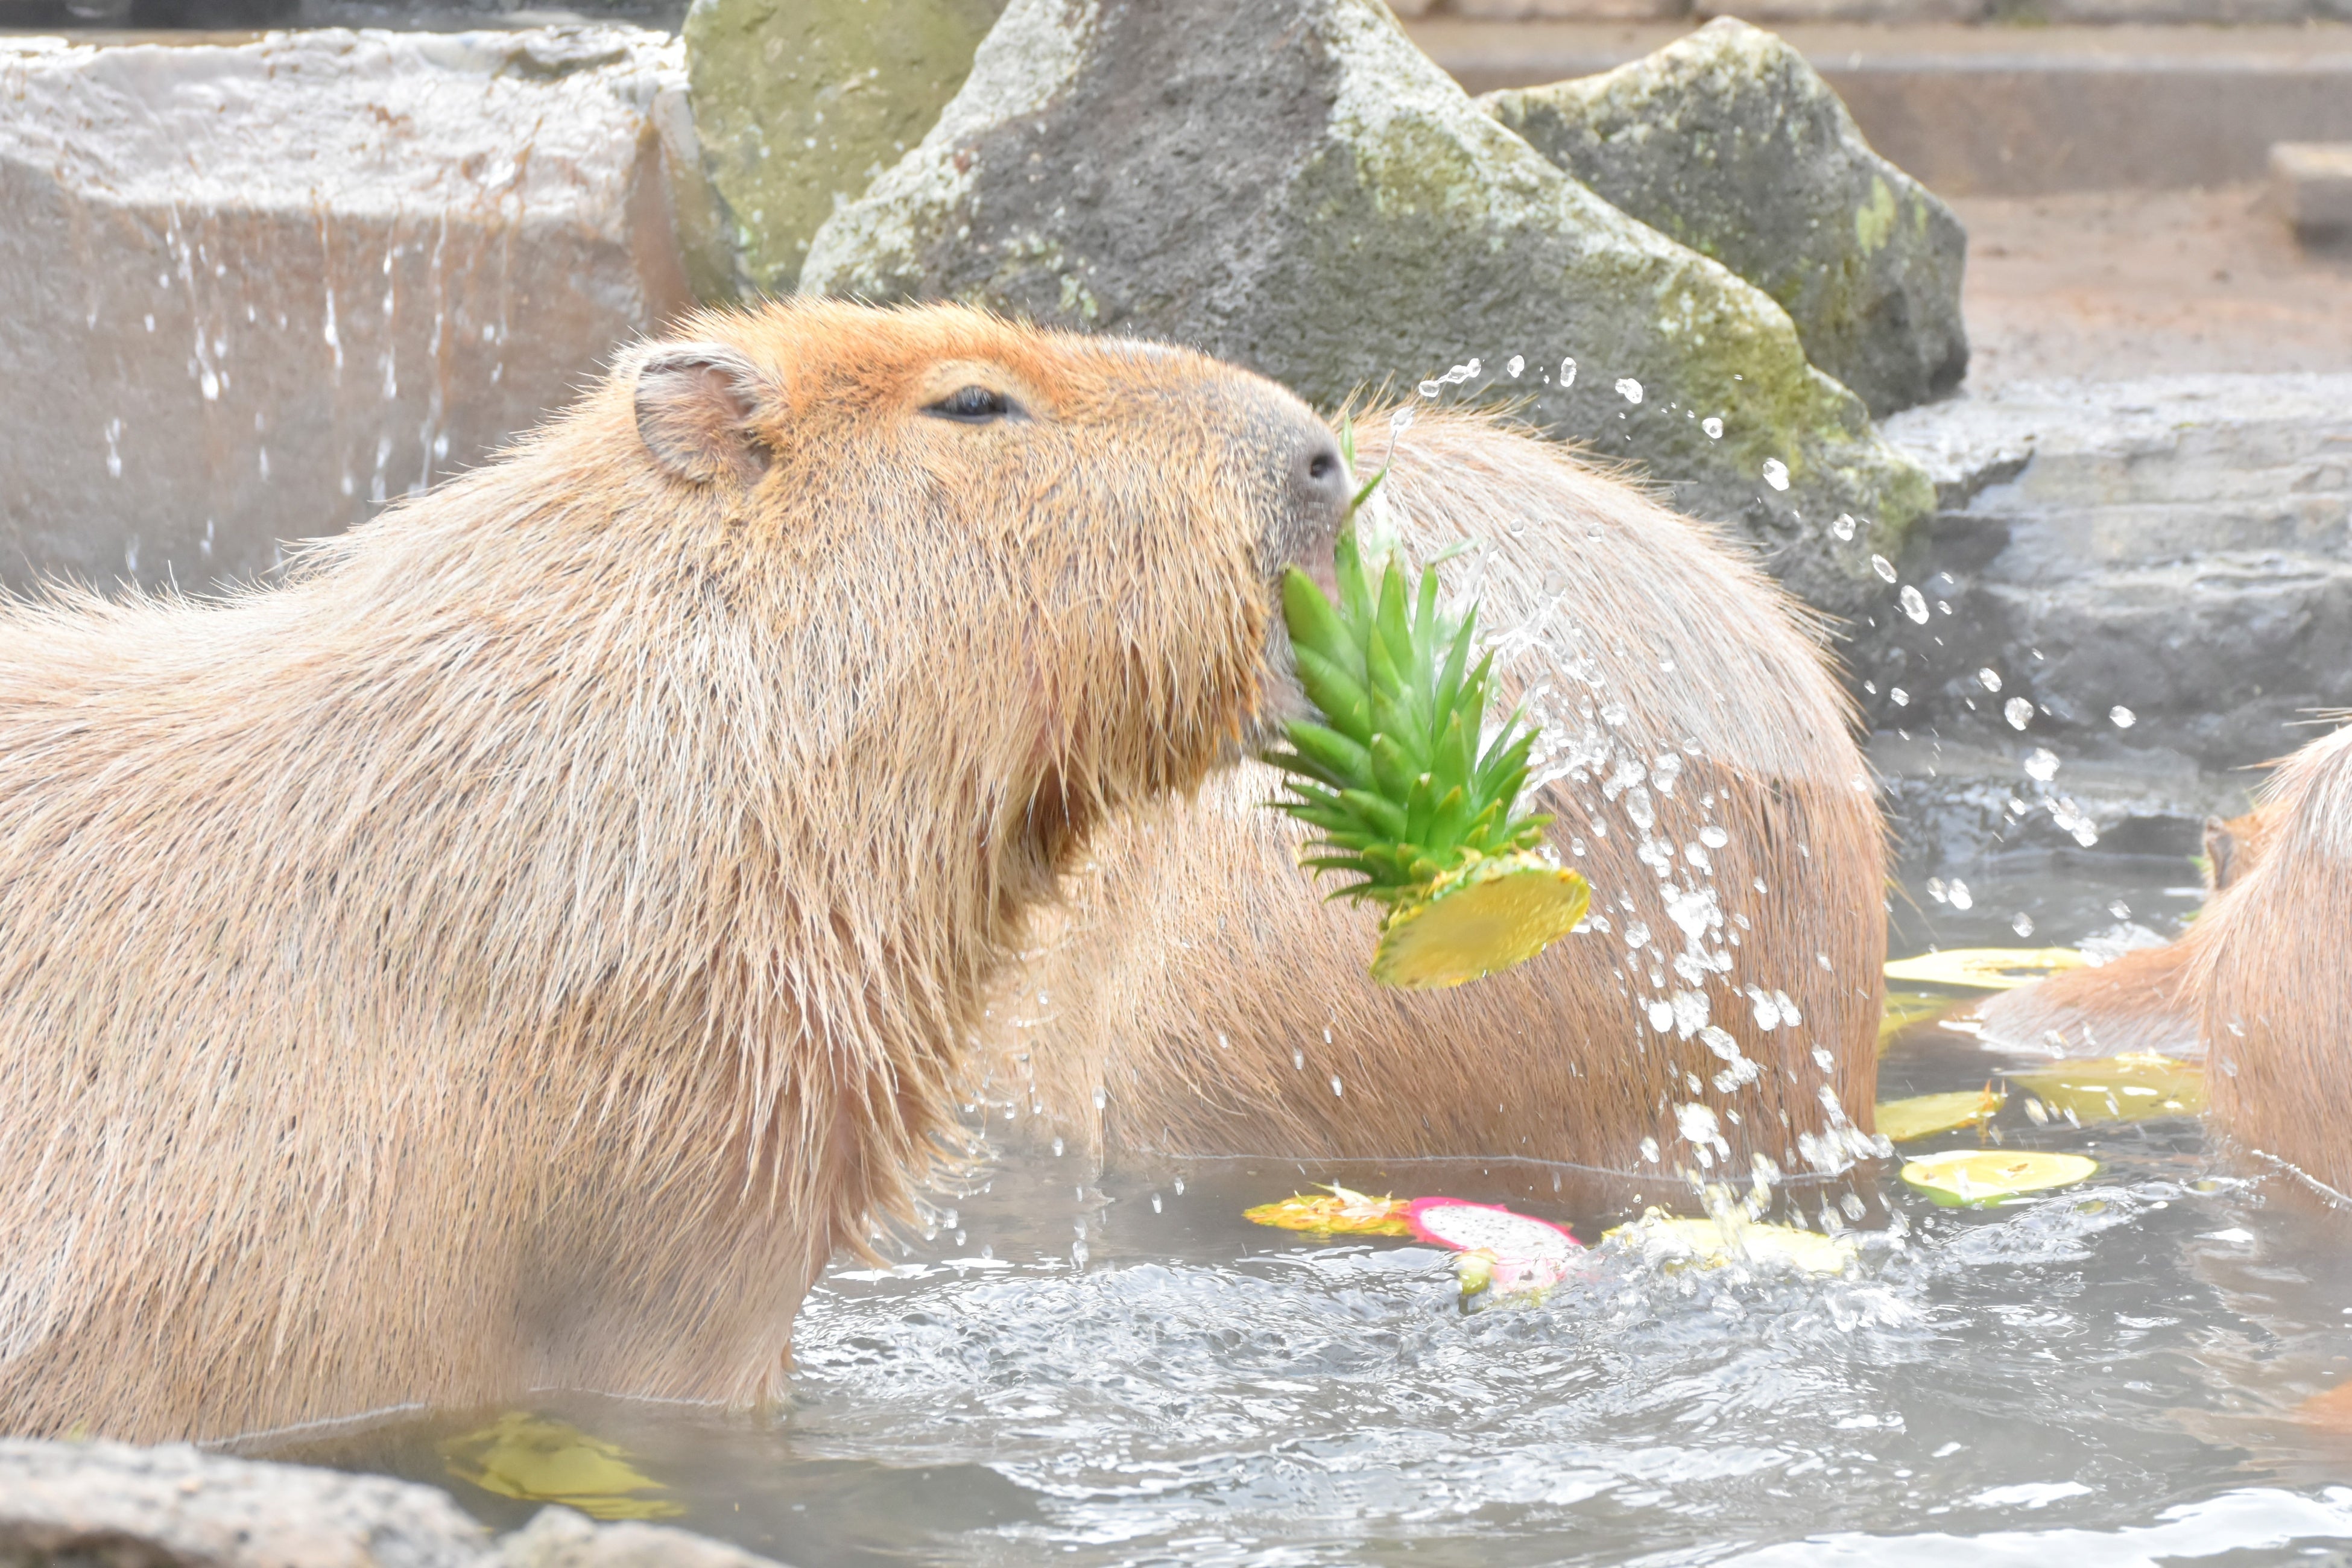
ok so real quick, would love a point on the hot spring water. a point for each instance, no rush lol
(2108, 1374)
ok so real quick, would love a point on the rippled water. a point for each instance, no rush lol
(2108, 1374)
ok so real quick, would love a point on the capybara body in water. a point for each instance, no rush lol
(516, 951)
(1699, 760)
(2258, 986)
(2137, 1001)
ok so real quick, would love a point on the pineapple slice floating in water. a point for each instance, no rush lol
(1399, 789)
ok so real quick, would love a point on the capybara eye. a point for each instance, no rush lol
(1322, 466)
(972, 404)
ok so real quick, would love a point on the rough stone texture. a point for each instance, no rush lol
(109, 1505)
(2180, 547)
(2311, 187)
(1728, 142)
(251, 292)
(1293, 186)
(801, 103)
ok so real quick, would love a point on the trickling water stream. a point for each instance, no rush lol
(2106, 1374)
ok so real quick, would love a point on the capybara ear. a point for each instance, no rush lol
(695, 403)
(2221, 851)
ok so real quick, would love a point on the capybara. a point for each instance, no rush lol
(519, 948)
(1198, 996)
(2137, 1001)
(2258, 985)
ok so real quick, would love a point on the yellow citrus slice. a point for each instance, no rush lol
(1905, 1008)
(1672, 1243)
(1336, 1212)
(1986, 968)
(1488, 913)
(535, 1459)
(2116, 1088)
(1959, 1177)
(1924, 1115)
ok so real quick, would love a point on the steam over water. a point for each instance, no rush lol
(2106, 1374)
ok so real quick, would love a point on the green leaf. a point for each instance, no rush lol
(1341, 698)
(1340, 761)
(1312, 622)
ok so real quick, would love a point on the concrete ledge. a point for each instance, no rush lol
(2004, 110)
(2311, 186)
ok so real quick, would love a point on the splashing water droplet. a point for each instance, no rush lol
(1776, 473)
(1630, 390)
(1337, 1089)
(1101, 1097)
(1430, 388)
(1843, 527)
(2022, 923)
(1650, 1150)
(1057, 1148)
(1155, 1204)
(1517, 364)
(1662, 1016)
(2017, 712)
(1989, 679)
(1958, 891)
(1884, 567)
(1567, 373)
(1714, 429)
(1914, 605)
(1713, 836)
(1900, 698)
(2120, 909)
(2041, 765)
(2122, 718)
(1299, 1058)
(1179, 1187)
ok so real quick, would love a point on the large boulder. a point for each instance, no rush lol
(1290, 183)
(256, 291)
(801, 103)
(1728, 141)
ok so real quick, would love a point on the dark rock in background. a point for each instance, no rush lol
(1293, 186)
(1729, 143)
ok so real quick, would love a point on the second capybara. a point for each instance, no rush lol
(1198, 996)
(2139, 1000)
(515, 952)
(2257, 986)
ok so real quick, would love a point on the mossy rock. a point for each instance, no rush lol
(1728, 141)
(1293, 186)
(799, 103)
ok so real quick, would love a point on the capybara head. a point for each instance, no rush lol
(2233, 846)
(1053, 552)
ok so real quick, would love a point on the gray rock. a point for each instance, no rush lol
(559, 1538)
(1728, 141)
(801, 105)
(1293, 186)
(107, 1505)
(254, 291)
(2178, 547)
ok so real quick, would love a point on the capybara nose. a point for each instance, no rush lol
(1319, 492)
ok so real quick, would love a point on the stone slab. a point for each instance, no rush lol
(2311, 187)
(254, 291)
(2180, 548)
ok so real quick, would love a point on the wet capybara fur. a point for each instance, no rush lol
(518, 950)
(2258, 985)
(1699, 758)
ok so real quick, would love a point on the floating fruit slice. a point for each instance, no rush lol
(1670, 1243)
(1986, 968)
(1485, 1228)
(535, 1459)
(1905, 1008)
(1924, 1115)
(1487, 914)
(1336, 1212)
(1961, 1177)
(2116, 1088)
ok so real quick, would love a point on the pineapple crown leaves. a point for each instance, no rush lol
(1394, 780)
